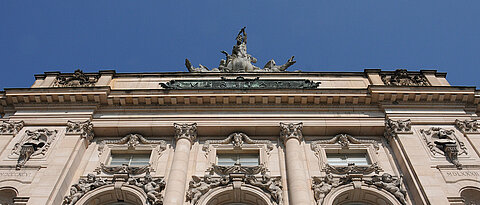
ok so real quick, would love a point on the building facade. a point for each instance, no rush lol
(239, 134)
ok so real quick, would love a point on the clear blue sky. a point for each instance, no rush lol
(156, 36)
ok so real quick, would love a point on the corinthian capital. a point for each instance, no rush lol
(11, 127)
(84, 128)
(468, 126)
(291, 130)
(186, 131)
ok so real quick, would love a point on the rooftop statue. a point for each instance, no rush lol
(240, 60)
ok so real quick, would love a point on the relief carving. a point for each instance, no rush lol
(232, 176)
(352, 169)
(390, 184)
(322, 186)
(291, 130)
(468, 126)
(35, 143)
(185, 131)
(444, 142)
(237, 139)
(394, 127)
(401, 77)
(84, 128)
(123, 169)
(344, 140)
(11, 127)
(78, 79)
(150, 185)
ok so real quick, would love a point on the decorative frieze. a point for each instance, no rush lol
(401, 77)
(344, 140)
(238, 139)
(185, 131)
(152, 186)
(77, 79)
(84, 128)
(395, 127)
(468, 126)
(34, 143)
(11, 127)
(236, 169)
(123, 169)
(291, 130)
(240, 83)
(444, 142)
(352, 169)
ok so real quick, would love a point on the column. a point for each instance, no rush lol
(185, 134)
(298, 186)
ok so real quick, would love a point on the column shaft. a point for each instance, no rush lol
(175, 190)
(298, 187)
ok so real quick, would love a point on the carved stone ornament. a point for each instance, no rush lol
(84, 128)
(11, 127)
(236, 169)
(35, 143)
(291, 130)
(237, 139)
(152, 186)
(132, 140)
(352, 169)
(185, 131)
(240, 60)
(390, 184)
(468, 126)
(200, 186)
(394, 127)
(77, 79)
(444, 142)
(322, 186)
(401, 77)
(344, 140)
(123, 169)
(240, 83)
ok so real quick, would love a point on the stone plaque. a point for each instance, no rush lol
(455, 175)
(240, 83)
(24, 175)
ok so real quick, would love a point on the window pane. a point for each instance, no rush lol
(344, 159)
(243, 159)
(226, 159)
(130, 159)
(249, 159)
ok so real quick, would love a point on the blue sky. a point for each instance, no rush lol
(156, 36)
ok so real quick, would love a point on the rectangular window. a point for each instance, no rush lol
(343, 159)
(244, 159)
(140, 159)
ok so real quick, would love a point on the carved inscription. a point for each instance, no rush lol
(24, 175)
(457, 175)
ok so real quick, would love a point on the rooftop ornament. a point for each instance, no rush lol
(240, 61)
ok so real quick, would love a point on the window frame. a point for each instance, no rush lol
(106, 150)
(237, 153)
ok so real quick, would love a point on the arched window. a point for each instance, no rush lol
(471, 196)
(6, 195)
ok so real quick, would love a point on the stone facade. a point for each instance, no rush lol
(418, 134)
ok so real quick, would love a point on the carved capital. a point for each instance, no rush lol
(291, 130)
(468, 126)
(84, 128)
(185, 131)
(11, 127)
(395, 127)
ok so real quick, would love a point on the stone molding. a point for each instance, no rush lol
(322, 186)
(185, 131)
(34, 144)
(344, 140)
(84, 128)
(468, 126)
(444, 142)
(123, 169)
(240, 83)
(132, 142)
(395, 127)
(291, 130)
(151, 186)
(352, 169)
(237, 139)
(11, 127)
(401, 77)
(77, 79)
